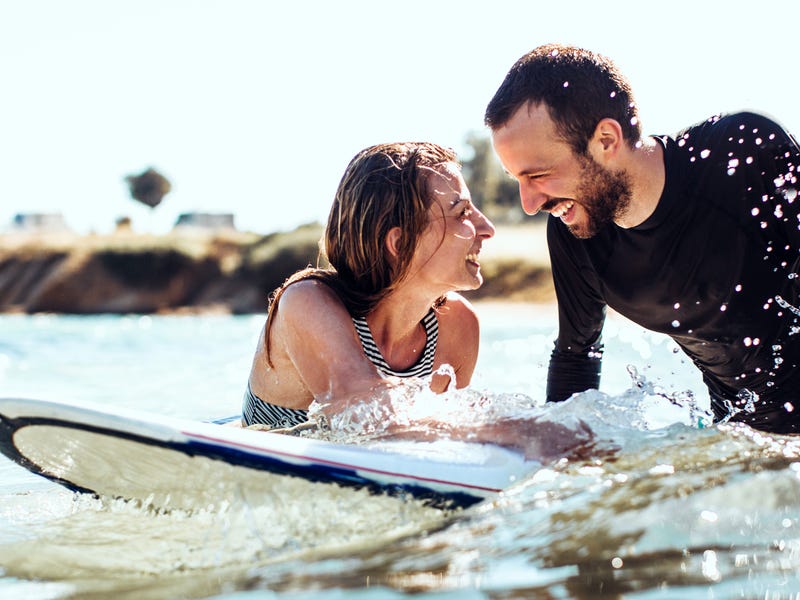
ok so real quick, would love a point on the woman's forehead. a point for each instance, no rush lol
(445, 174)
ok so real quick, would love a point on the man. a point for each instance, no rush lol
(695, 236)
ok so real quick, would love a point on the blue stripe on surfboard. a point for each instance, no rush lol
(315, 471)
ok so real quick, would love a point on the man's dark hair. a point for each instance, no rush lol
(578, 87)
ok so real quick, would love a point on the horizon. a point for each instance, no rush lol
(255, 110)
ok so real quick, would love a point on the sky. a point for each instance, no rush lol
(255, 107)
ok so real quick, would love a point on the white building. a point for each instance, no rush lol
(38, 222)
(208, 221)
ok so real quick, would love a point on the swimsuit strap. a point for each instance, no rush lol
(422, 368)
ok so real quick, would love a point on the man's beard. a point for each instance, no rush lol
(605, 195)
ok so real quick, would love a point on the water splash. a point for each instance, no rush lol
(793, 329)
(413, 407)
(684, 400)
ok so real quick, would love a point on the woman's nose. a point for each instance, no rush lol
(483, 225)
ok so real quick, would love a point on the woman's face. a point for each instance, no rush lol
(446, 257)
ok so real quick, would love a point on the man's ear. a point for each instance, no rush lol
(393, 241)
(607, 141)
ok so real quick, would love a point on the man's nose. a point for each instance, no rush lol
(531, 199)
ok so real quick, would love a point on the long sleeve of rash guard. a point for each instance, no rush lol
(575, 362)
(570, 373)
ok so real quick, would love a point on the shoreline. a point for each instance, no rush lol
(191, 271)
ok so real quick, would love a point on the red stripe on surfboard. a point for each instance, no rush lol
(338, 464)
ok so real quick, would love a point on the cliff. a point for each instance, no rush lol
(191, 271)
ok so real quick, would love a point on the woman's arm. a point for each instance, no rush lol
(317, 333)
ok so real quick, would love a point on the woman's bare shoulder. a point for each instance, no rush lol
(457, 308)
(305, 294)
(458, 319)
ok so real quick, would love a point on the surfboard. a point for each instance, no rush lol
(170, 462)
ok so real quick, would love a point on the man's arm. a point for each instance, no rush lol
(576, 360)
(570, 373)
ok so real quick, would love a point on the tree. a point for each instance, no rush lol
(148, 187)
(492, 189)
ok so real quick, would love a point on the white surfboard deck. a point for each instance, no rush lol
(177, 463)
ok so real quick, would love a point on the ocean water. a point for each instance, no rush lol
(662, 506)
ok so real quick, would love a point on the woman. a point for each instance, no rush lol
(401, 238)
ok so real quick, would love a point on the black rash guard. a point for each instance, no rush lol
(716, 267)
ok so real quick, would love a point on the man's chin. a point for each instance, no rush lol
(581, 232)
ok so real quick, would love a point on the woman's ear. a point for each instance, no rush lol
(393, 241)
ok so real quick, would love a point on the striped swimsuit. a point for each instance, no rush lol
(255, 410)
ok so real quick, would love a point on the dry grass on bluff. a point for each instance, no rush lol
(226, 271)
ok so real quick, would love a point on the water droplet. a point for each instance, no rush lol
(748, 341)
(676, 323)
(676, 306)
(779, 181)
(733, 163)
(723, 308)
(738, 287)
(778, 211)
(789, 407)
(613, 94)
(566, 84)
(758, 141)
(709, 516)
(616, 562)
(705, 153)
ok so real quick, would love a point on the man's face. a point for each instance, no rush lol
(578, 190)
